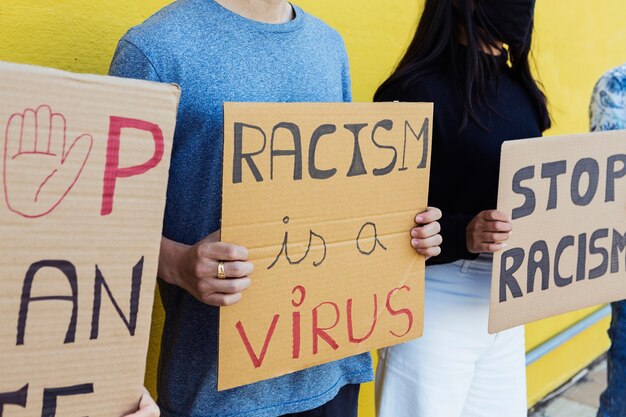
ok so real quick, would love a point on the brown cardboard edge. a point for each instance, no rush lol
(80, 77)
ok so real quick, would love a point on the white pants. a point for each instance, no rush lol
(457, 369)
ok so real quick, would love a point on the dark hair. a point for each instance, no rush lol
(442, 25)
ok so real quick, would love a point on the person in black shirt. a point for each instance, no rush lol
(469, 57)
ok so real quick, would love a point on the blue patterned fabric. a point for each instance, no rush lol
(608, 102)
(608, 112)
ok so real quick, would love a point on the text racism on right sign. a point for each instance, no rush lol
(566, 197)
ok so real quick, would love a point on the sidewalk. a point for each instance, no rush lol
(578, 398)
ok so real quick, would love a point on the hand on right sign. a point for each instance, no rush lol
(215, 273)
(488, 232)
(425, 237)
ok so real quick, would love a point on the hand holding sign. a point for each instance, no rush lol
(195, 269)
(567, 201)
(338, 275)
(425, 236)
(36, 144)
(147, 407)
(488, 231)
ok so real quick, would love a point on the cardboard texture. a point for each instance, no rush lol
(566, 196)
(324, 196)
(84, 166)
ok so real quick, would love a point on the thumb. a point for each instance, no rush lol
(66, 173)
(79, 150)
(73, 161)
(147, 407)
(214, 237)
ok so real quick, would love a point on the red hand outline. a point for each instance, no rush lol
(35, 143)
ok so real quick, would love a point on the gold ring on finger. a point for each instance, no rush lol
(221, 273)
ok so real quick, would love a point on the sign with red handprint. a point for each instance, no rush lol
(84, 170)
(40, 164)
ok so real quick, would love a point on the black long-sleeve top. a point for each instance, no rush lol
(465, 164)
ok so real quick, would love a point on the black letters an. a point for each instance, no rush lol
(507, 279)
(530, 201)
(320, 174)
(601, 269)
(70, 272)
(50, 396)
(590, 166)
(239, 156)
(552, 170)
(612, 174)
(387, 125)
(135, 292)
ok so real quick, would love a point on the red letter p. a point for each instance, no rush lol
(112, 171)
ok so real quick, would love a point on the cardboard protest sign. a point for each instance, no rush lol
(324, 196)
(567, 200)
(84, 169)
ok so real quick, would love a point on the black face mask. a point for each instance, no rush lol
(508, 20)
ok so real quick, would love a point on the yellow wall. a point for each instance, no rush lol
(576, 42)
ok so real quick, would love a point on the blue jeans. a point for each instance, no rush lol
(613, 399)
(345, 404)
